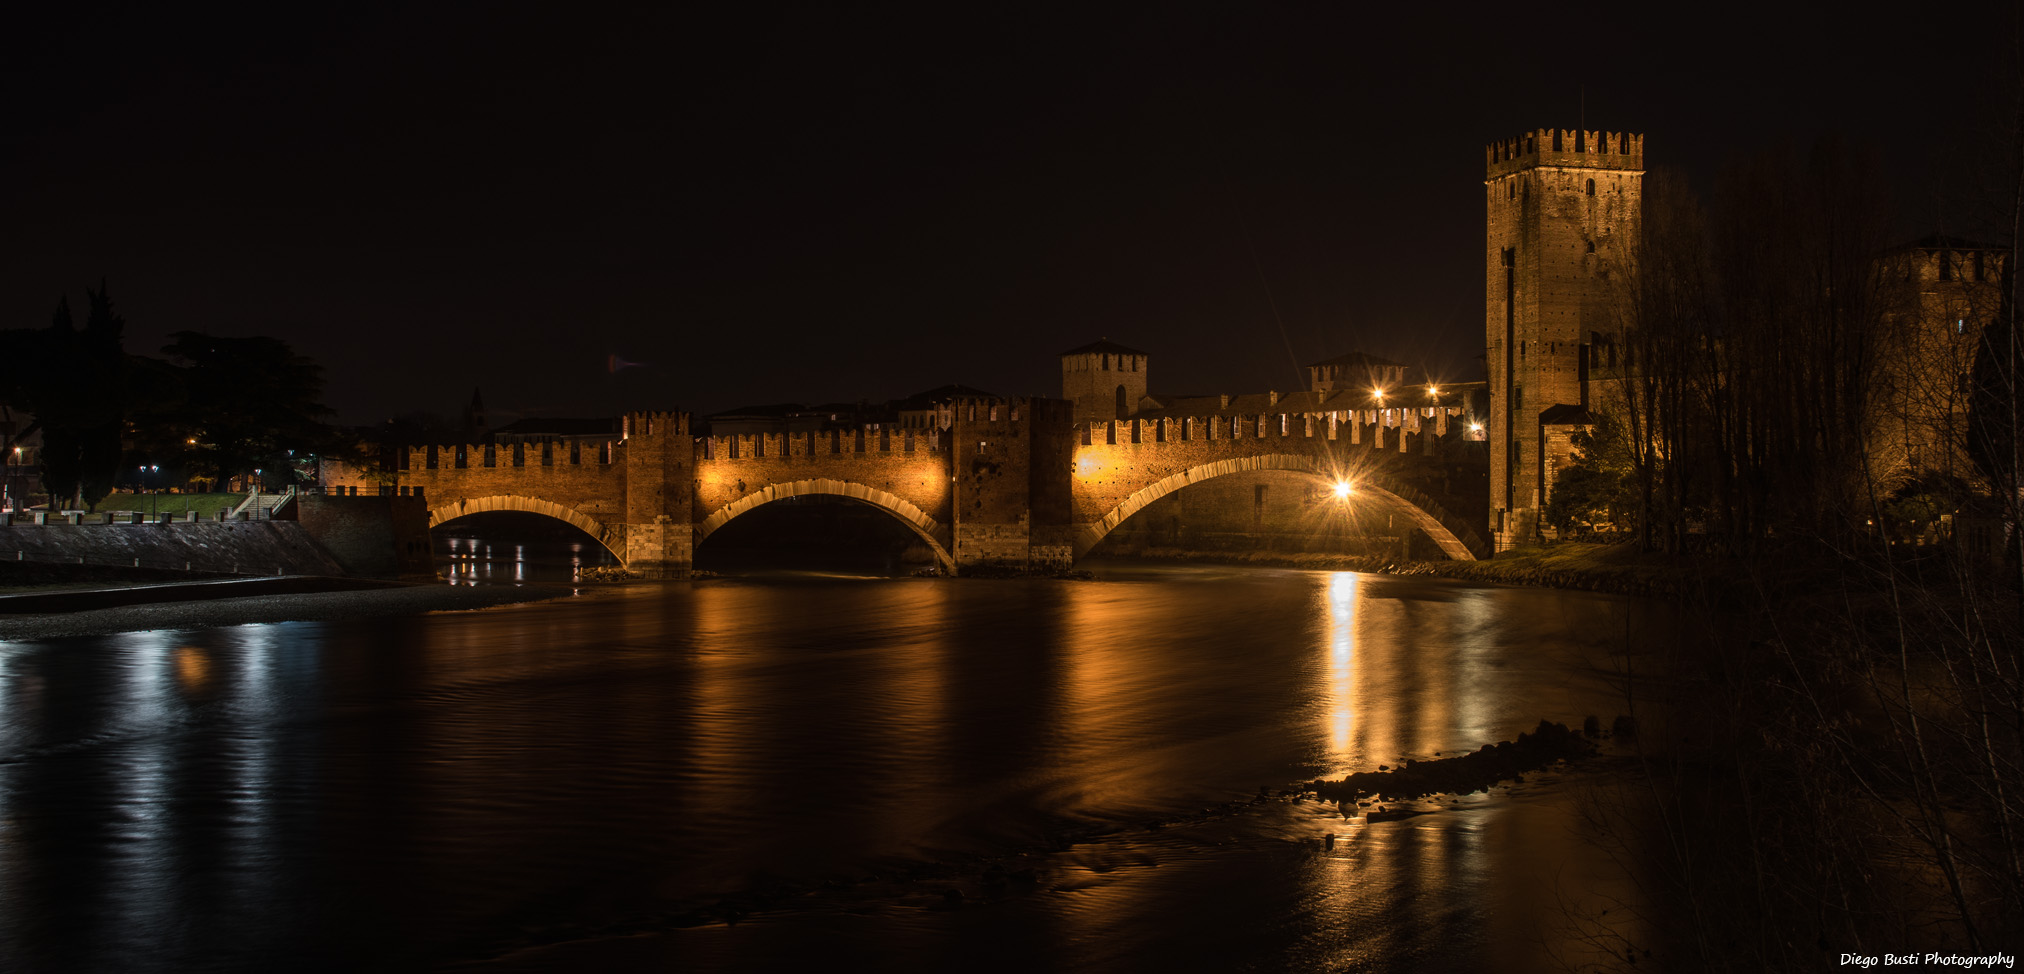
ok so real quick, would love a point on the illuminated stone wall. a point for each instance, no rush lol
(1010, 483)
(904, 472)
(1562, 209)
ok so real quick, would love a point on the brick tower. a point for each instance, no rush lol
(1104, 380)
(1563, 212)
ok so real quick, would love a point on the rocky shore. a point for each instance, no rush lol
(1546, 745)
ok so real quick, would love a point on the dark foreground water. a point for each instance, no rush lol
(804, 772)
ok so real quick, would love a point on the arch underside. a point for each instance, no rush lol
(1088, 535)
(917, 520)
(612, 539)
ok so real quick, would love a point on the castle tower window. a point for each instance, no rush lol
(1591, 187)
(1511, 189)
(1120, 402)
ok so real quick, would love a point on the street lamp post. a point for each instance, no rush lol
(145, 470)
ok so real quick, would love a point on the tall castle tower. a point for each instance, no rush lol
(1105, 380)
(1563, 210)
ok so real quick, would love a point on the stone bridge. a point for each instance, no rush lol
(1004, 483)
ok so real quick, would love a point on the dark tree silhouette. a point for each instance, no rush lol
(73, 383)
(247, 402)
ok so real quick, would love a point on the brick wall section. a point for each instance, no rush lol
(1051, 475)
(656, 461)
(592, 487)
(991, 464)
(1010, 483)
(1562, 207)
(1115, 461)
(891, 469)
(373, 537)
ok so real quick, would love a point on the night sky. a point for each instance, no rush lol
(833, 203)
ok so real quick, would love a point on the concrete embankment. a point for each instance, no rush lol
(195, 590)
(240, 602)
(232, 547)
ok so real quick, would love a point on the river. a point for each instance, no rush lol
(769, 772)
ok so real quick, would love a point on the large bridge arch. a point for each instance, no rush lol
(935, 534)
(613, 540)
(1088, 535)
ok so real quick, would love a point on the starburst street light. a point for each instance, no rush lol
(1377, 393)
(1343, 489)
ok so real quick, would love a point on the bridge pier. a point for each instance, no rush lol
(1011, 473)
(660, 521)
(664, 548)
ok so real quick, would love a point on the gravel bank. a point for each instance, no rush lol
(319, 606)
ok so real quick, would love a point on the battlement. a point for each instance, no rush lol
(820, 443)
(1572, 148)
(554, 452)
(1328, 424)
(655, 423)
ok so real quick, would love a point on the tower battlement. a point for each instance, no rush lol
(1578, 148)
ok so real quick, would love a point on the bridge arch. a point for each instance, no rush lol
(935, 534)
(612, 540)
(1088, 535)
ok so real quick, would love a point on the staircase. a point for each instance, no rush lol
(261, 507)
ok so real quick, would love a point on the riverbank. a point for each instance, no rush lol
(190, 606)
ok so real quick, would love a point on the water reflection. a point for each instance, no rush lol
(570, 775)
(1340, 694)
(514, 549)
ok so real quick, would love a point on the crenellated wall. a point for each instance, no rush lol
(1009, 483)
(1562, 216)
(1121, 467)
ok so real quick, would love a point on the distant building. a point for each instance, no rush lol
(934, 408)
(1356, 372)
(1104, 380)
(1943, 292)
(539, 428)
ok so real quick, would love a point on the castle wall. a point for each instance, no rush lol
(1561, 214)
(1009, 483)
(370, 536)
(1090, 381)
(907, 464)
(992, 465)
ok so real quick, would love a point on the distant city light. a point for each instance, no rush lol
(1378, 394)
(1433, 390)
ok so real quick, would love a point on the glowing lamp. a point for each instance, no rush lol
(1343, 489)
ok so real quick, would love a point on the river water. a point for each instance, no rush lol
(767, 772)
